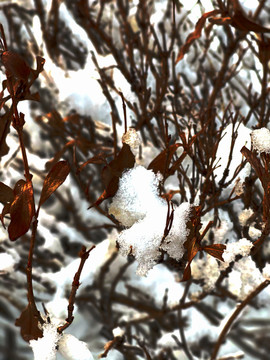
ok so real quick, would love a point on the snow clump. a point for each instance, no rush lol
(261, 140)
(138, 206)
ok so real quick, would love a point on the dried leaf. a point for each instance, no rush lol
(6, 194)
(113, 171)
(53, 180)
(97, 159)
(215, 250)
(28, 322)
(193, 248)
(15, 65)
(5, 121)
(21, 210)
(162, 161)
(255, 163)
(242, 22)
(195, 34)
(5, 211)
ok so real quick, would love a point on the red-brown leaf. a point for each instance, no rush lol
(6, 194)
(28, 322)
(53, 180)
(195, 34)
(240, 21)
(113, 171)
(15, 65)
(162, 161)
(21, 210)
(255, 163)
(215, 250)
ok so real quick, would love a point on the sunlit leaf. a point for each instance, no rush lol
(28, 322)
(53, 180)
(215, 250)
(21, 210)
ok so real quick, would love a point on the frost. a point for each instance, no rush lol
(261, 140)
(73, 349)
(138, 206)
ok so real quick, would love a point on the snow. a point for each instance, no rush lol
(137, 205)
(73, 349)
(261, 140)
(45, 348)
(7, 262)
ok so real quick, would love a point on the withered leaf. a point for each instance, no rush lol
(21, 210)
(113, 171)
(215, 250)
(162, 161)
(195, 34)
(193, 247)
(97, 159)
(255, 163)
(242, 22)
(5, 121)
(53, 180)
(6, 193)
(28, 322)
(15, 65)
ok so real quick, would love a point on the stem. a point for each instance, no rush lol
(30, 292)
(233, 317)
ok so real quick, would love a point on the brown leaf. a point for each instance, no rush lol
(97, 159)
(195, 34)
(21, 210)
(5, 211)
(113, 171)
(15, 65)
(6, 194)
(28, 322)
(242, 22)
(162, 161)
(53, 180)
(5, 121)
(255, 163)
(215, 250)
(191, 254)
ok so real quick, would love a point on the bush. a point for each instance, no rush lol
(151, 119)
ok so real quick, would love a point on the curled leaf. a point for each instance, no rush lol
(21, 210)
(53, 180)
